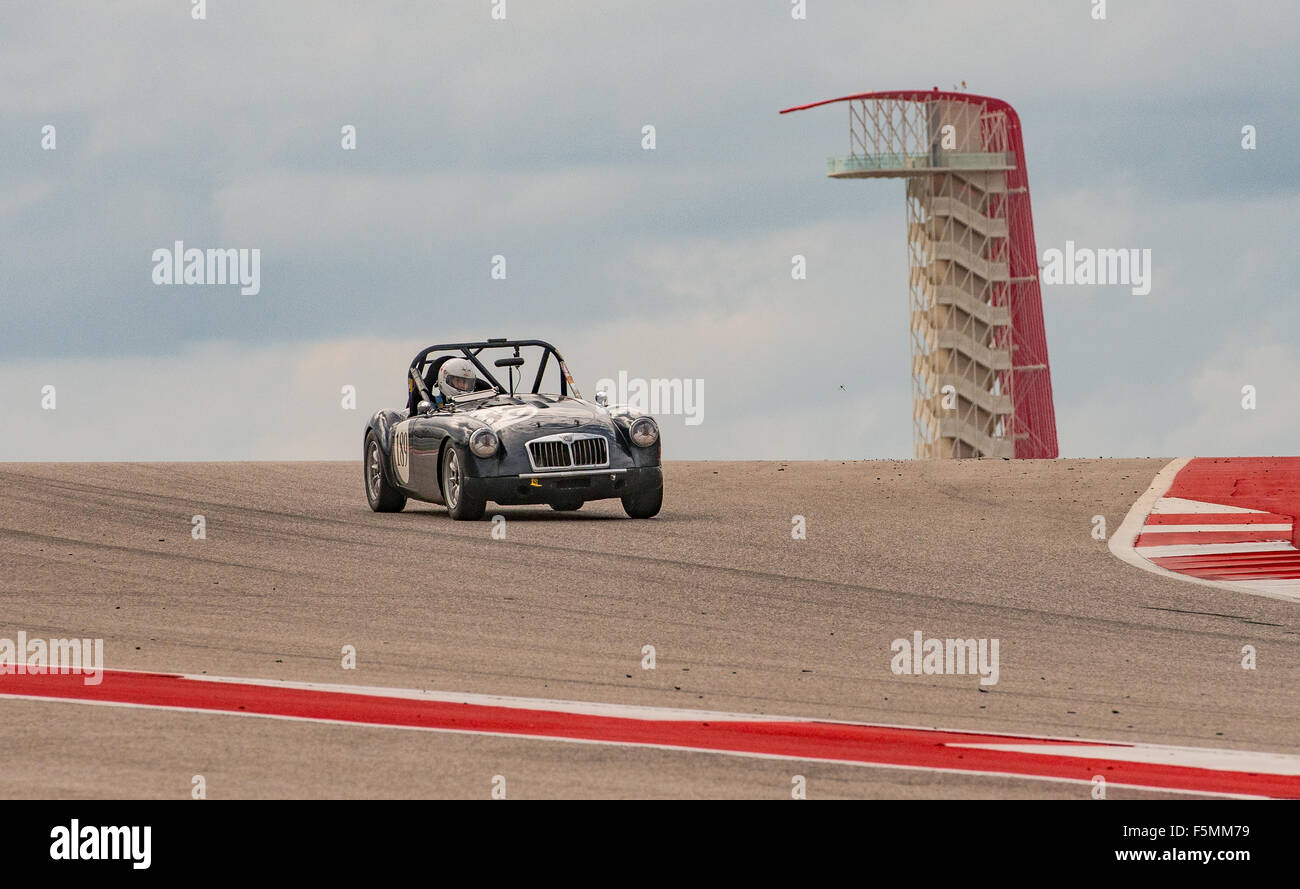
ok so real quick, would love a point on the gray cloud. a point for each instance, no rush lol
(522, 138)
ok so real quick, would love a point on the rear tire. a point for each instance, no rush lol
(644, 504)
(567, 506)
(461, 504)
(381, 496)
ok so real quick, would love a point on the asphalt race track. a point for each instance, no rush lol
(742, 617)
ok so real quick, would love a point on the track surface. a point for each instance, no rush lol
(742, 617)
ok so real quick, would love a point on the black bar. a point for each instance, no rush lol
(944, 840)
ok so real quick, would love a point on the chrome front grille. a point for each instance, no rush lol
(550, 454)
(568, 451)
(589, 452)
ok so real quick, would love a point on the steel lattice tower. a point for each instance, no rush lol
(981, 384)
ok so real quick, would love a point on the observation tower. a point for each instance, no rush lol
(981, 384)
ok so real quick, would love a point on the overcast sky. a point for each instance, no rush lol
(523, 138)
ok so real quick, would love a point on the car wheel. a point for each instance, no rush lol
(567, 505)
(644, 504)
(462, 505)
(382, 496)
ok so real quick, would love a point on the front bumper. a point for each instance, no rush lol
(557, 487)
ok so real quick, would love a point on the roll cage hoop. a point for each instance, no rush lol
(418, 390)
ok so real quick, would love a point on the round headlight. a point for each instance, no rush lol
(483, 442)
(644, 432)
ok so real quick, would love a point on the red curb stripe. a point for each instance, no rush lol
(1281, 560)
(1245, 569)
(850, 743)
(1270, 484)
(1217, 518)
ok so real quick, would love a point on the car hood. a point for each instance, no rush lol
(528, 416)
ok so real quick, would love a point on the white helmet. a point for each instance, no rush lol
(456, 377)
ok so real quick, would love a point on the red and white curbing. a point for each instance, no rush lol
(1182, 527)
(1196, 770)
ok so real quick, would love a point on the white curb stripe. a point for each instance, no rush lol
(1164, 529)
(1178, 504)
(1215, 549)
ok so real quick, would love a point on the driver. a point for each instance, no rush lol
(456, 377)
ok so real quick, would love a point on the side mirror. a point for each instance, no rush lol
(424, 407)
(602, 398)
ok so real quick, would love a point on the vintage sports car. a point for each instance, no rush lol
(506, 444)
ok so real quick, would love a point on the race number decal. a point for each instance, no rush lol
(402, 452)
(515, 415)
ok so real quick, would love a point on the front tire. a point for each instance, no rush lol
(381, 496)
(461, 503)
(644, 504)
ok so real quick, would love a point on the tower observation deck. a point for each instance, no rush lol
(981, 385)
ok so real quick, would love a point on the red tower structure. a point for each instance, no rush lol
(980, 376)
